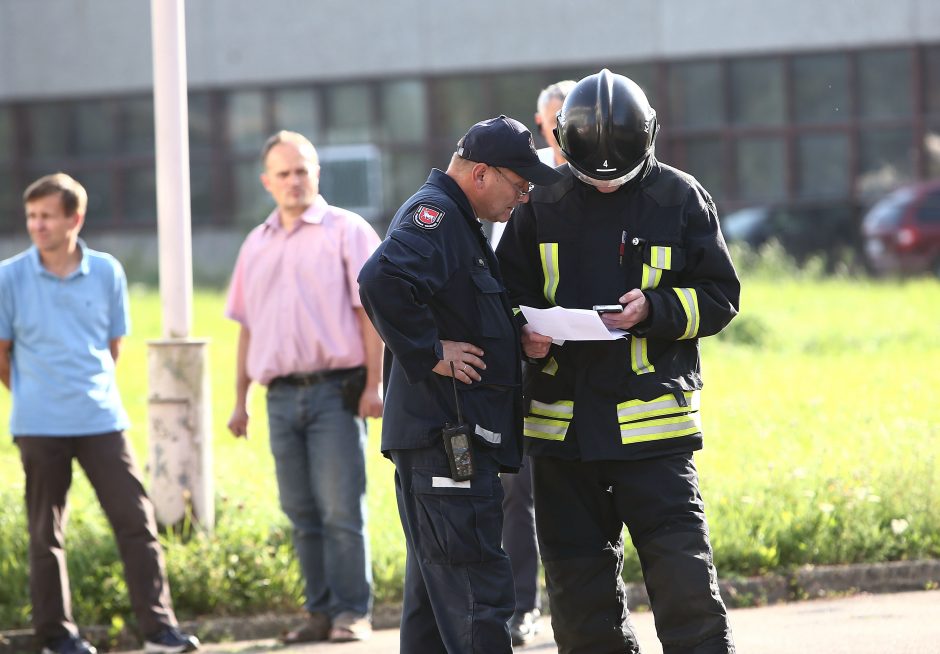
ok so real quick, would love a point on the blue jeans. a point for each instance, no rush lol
(319, 455)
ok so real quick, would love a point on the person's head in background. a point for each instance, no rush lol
(55, 212)
(291, 174)
(548, 105)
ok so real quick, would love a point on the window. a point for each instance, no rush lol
(695, 94)
(139, 127)
(11, 209)
(7, 134)
(884, 84)
(757, 92)
(885, 160)
(351, 177)
(404, 110)
(297, 110)
(404, 173)
(252, 202)
(139, 196)
(200, 122)
(516, 96)
(246, 121)
(204, 205)
(200, 193)
(349, 114)
(704, 161)
(823, 165)
(96, 122)
(458, 103)
(47, 131)
(821, 89)
(100, 187)
(932, 80)
(761, 169)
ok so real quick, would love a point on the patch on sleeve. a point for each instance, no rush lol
(427, 217)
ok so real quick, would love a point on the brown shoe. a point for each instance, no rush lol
(315, 628)
(348, 627)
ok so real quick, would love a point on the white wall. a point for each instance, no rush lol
(52, 48)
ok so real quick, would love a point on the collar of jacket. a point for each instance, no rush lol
(447, 184)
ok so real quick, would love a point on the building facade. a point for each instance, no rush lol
(817, 105)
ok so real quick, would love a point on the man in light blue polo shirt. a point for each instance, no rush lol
(63, 312)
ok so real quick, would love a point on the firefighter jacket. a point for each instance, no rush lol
(575, 247)
(436, 278)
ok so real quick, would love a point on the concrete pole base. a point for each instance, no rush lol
(180, 428)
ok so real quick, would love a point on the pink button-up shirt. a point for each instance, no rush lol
(296, 292)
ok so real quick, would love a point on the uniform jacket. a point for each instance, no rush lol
(635, 397)
(436, 278)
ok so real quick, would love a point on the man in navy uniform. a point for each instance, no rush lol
(612, 425)
(434, 292)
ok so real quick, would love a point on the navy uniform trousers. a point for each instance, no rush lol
(580, 510)
(519, 538)
(458, 595)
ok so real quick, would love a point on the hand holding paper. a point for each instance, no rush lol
(570, 324)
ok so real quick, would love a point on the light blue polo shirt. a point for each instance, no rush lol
(62, 374)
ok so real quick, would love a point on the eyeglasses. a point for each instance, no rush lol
(522, 194)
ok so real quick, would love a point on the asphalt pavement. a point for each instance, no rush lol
(896, 623)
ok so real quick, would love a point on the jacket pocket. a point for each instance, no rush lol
(494, 322)
(660, 258)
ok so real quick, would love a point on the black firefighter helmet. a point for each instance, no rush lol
(606, 128)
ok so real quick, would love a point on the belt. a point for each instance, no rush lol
(311, 378)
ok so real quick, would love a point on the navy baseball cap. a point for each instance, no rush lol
(505, 142)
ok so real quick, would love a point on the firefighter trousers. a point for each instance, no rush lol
(581, 508)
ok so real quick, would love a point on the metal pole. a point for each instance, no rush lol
(172, 145)
(179, 404)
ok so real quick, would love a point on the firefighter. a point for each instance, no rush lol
(453, 404)
(612, 426)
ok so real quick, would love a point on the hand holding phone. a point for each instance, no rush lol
(608, 308)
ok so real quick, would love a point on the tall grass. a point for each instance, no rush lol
(821, 446)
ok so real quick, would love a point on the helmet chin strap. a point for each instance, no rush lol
(609, 183)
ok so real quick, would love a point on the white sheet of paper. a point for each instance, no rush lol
(570, 324)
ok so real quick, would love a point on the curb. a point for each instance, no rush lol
(808, 582)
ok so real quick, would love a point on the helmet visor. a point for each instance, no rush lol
(608, 183)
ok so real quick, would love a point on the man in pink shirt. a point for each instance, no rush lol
(305, 335)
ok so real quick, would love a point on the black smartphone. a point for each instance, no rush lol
(608, 308)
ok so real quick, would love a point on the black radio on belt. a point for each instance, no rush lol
(457, 442)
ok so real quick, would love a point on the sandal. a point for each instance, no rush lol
(315, 628)
(349, 627)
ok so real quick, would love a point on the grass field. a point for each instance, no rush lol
(821, 446)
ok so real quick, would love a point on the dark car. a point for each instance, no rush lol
(902, 231)
(802, 230)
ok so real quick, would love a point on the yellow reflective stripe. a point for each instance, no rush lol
(551, 367)
(651, 277)
(639, 360)
(661, 257)
(688, 298)
(563, 409)
(546, 428)
(516, 311)
(549, 254)
(661, 428)
(633, 410)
